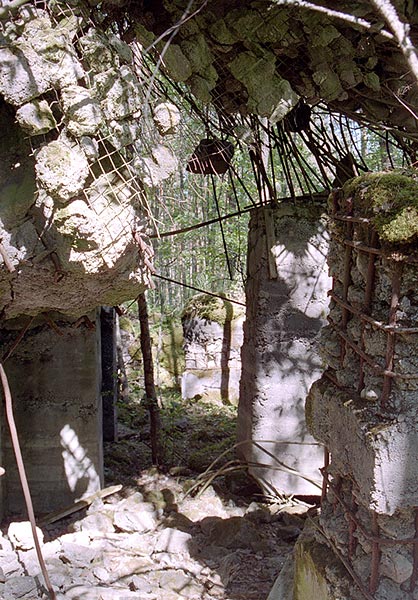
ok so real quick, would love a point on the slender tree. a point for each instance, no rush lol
(150, 392)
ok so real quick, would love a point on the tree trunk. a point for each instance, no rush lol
(150, 393)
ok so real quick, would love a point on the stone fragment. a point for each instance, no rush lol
(129, 521)
(61, 169)
(82, 111)
(176, 64)
(235, 532)
(17, 83)
(123, 97)
(97, 522)
(36, 117)
(173, 540)
(157, 167)
(166, 117)
(269, 95)
(396, 565)
(20, 587)
(179, 582)
(21, 537)
(140, 584)
(78, 554)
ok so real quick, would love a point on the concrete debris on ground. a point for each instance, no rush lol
(157, 544)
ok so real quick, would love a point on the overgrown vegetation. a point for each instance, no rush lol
(194, 433)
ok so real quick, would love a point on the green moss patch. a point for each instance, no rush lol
(391, 200)
(211, 309)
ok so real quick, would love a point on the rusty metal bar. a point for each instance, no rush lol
(371, 271)
(374, 570)
(378, 324)
(414, 576)
(378, 368)
(347, 278)
(350, 219)
(352, 527)
(324, 472)
(390, 345)
(381, 252)
(370, 537)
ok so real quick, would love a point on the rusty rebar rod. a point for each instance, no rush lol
(376, 367)
(414, 576)
(324, 470)
(377, 324)
(374, 569)
(390, 344)
(348, 258)
(370, 277)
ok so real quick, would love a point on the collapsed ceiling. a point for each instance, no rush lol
(260, 56)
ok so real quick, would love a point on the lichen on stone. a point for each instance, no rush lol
(391, 200)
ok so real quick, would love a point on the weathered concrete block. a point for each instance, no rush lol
(55, 381)
(287, 304)
(379, 454)
(213, 336)
(318, 573)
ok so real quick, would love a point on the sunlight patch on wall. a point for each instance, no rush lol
(78, 466)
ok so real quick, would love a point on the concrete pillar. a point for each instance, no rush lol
(109, 372)
(286, 297)
(55, 380)
(364, 407)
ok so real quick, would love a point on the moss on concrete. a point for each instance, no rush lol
(391, 200)
(211, 309)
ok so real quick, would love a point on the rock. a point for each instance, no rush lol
(140, 584)
(172, 540)
(179, 582)
(9, 560)
(156, 168)
(82, 111)
(17, 84)
(96, 522)
(166, 117)
(77, 553)
(123, 95)
(129, 521)
(235, 532)
(61, 169)
(396, 565)
(59, 573)
(19, 587)
(36, 117)
(21, 537)
(119, 565)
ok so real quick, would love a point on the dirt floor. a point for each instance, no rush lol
(196, 527)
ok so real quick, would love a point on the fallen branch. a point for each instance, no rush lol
(83, 503)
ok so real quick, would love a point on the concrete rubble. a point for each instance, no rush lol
(142, 546)
(75, 165)
(213, 335)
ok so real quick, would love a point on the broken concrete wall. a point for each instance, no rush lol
(77, 155)
(364, 407)
(75, 165)
(286, 296)
(213, 336)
